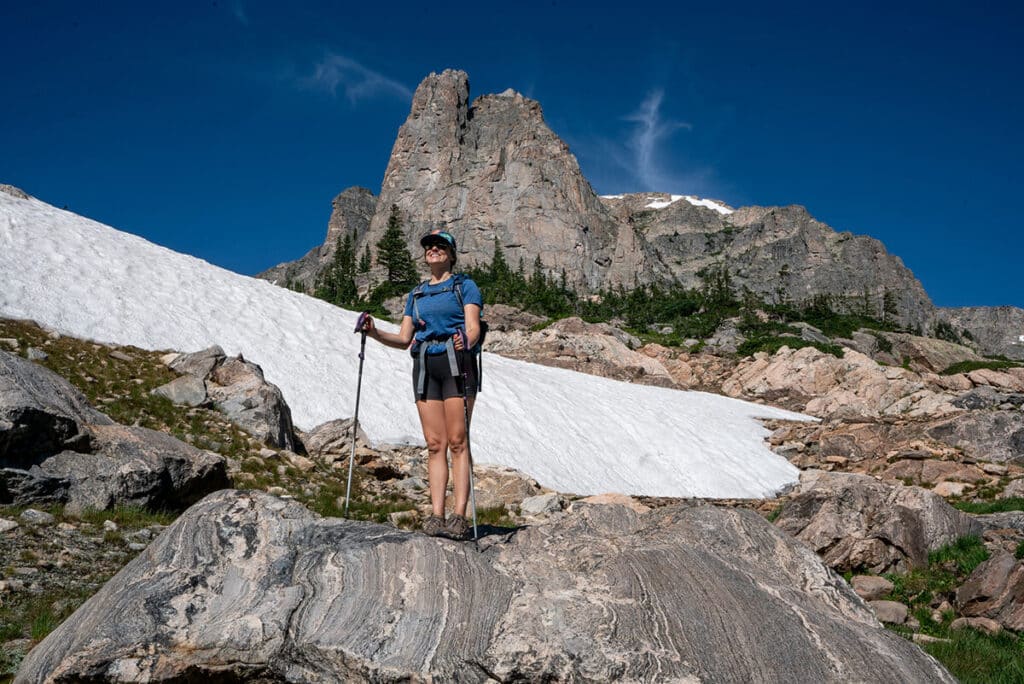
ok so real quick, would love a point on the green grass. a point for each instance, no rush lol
(496, 516)
(968, 366)
(999, 506)
(947, 568)
(965, 554)
(772, 344)
(775, 513)
(976, 658)
(132, 517)
(329, 502)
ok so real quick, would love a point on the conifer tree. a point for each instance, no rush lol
(393, 254)
(366, 261)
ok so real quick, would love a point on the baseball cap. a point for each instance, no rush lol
(438, 237)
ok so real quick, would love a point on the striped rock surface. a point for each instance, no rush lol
(245, 586)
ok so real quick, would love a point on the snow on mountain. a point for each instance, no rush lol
(695, 201)
(572, 432)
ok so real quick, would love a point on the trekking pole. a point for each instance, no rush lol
(355, 419)
(465, 408)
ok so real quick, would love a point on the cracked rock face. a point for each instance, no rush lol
(247, 586)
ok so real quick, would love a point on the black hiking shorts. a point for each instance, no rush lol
(440, 384)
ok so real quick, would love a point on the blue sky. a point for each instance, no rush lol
(224, 129)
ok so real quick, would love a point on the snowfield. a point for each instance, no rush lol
(572, 432)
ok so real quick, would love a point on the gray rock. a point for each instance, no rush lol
(7, 525)
(120, 355)
(40, 413)
(984, 435)
(34, 354)
(135, 466)
(188, 390)
(927, 353)
(856, 521)
(542, 504)
(261, 589)
(32, 486)
(871, 587)
(332, 438)
(982, 397)
(1013, 520)
(811, 334)
(36, 517)
(981, 624)
(237, 388)
(412, 484)
(200, 363)
(993, 590)
(995, 329)
(726, 339)
(892, 612)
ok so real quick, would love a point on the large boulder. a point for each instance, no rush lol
(40, 413)
(237, 387)
(857, 522)
(984, 435)
(129, 466)
(928, 353)
(248, 587)
(56, 449)
(994, 591)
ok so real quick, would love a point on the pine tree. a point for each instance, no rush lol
(336, 284)
(366, 261)
(393, 254)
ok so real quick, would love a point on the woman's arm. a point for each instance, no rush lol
(472, 314)
(401, 340)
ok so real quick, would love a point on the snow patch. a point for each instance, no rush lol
(572, 432)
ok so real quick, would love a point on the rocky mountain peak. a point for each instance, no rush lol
(496, 171)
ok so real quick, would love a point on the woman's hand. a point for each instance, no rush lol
(459, 340)
(369, 328)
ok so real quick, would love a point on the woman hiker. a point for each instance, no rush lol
(437, 312)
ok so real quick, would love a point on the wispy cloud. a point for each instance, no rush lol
(336, 73)
(648, 141)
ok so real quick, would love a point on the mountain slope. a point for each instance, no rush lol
(572, 432)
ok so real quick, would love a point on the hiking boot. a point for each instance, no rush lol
(458, 527)
(434, 526)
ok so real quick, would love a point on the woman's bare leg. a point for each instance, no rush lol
(432, 418)
(455, 425)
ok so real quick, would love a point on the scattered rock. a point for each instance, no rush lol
(36, 517)
(979, 623)
(946, 489)
(33, 354)
(871, 587)
(188, 390)
(7, 525)
(332, 439)
(542, 504)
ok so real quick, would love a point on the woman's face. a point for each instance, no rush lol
(436, 254)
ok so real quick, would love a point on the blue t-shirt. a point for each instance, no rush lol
(438, 309)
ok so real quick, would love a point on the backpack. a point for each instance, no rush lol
(456, 284)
